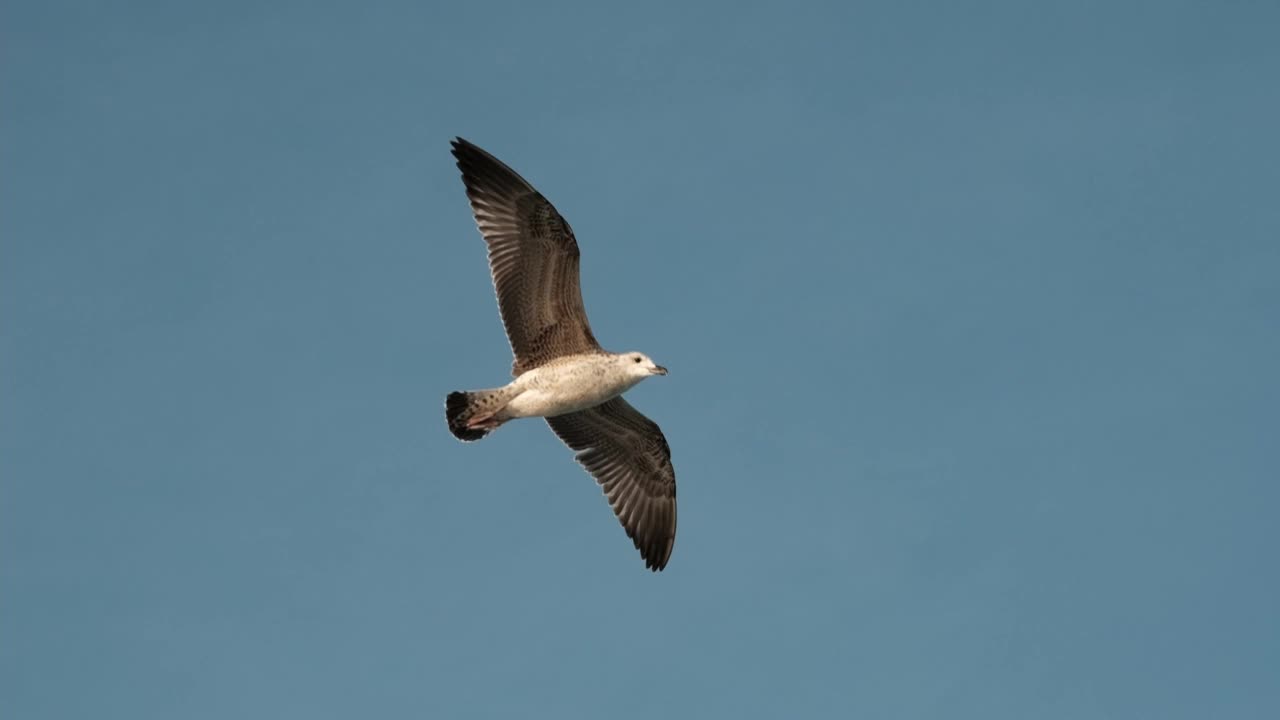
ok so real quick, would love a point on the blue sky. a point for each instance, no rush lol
(970, 311)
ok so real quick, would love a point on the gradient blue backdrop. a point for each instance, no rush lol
(971, 311)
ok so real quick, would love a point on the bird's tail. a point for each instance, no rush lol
(472, 415)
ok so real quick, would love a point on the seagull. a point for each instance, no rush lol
(561, 372)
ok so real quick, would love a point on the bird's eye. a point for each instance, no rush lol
(637, 359)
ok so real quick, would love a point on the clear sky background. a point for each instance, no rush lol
(970, 308)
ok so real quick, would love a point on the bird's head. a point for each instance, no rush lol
(639, 365)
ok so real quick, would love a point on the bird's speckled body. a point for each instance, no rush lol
(572, 383)
(564, 385)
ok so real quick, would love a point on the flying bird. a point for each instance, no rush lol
(561, 372)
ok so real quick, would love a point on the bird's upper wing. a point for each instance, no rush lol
(534, 260)
(626, 453)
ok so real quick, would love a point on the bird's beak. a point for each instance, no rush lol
(659, 370)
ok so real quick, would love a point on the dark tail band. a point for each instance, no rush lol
(458, 409)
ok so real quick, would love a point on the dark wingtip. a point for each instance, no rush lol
(464, 149)
(485, 174)
(656, 557)
(656, 563)
(656, 548)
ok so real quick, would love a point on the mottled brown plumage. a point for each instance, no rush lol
(534, 260)
(533, 257)
(628, 455)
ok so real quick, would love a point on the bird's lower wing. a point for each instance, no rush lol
(627, 454)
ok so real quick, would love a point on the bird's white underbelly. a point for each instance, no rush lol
(547, 392)
(540, 403)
